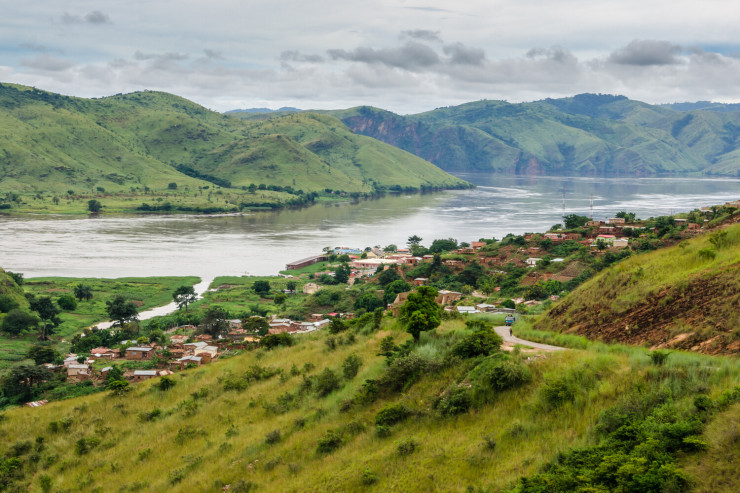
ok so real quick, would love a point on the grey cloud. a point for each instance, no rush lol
(410, 56)
(422, 34)
(47, 63)
(213, 54)
(464, 55)
(97, 17)
(646, 52)
(173, 57)
(39, 48)
(556, 54)
(296, 56)
(94, 17)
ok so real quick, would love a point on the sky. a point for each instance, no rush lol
(406, 56)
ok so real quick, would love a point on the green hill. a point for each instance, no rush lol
(291, 419)
(142, 142)
(585, 134)
(684, 296)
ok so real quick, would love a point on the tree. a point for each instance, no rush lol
(420, 312)
(390, 248)
(290, 285)
(342, 273)
(388, 276)
(256, 324)
(183, 296)
(67, 302)
(215, 322)
(280, 298)
(22, 382)
(439, 246)
(413, 241)
(262, 288)
(7, 303)
(573, 221)
(172, 186)
(393, 289)
(48, 312)
(17, 321)
(121, 310)
(17, 277)
(94, 206)
(629, 217)
(83, 292)
(368, 301)
(114, 374)
(42, 353)
(351, 366)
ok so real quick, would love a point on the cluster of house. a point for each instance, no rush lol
(317, 321)
(447, 299)
(179, 355)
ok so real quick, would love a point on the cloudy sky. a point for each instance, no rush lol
(403, 55)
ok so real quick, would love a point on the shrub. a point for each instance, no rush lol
(272, 437)
(658, 357)
(67, 302)
(331, 441)
(84, 445)
(558, 391)
(368, 477)
(407, 447)
(489, 443)
(165, 383)
(151, 415)
(382, 431)
(456, 400)
(351, 366)
(500, 374)
(392, 414)
(326, 382)
(402, 373)
(271, 341)
(482, 342)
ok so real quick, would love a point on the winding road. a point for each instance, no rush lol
(505, 331)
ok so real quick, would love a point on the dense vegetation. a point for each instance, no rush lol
(156, 151)
(584, 134)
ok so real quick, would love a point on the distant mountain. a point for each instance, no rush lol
(284, 109)
(588, 134)
(703, 105)
(150, 139)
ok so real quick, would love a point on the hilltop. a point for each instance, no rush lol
(587, 134)
(155, 145)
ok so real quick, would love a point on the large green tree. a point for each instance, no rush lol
(48, 312)
(121, 310)
(18, 321)
(573, 221)
(83, 292)
(262, 288)
(420, 312)
(215, 321)
(183, 296)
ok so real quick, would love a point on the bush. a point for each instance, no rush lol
(271, 341)
(456, 400)
(351, 366)
(331, 441)
(392, 414)
(272, 437)
(382, 431)
(67, 302)
(658, 357)
(500, 374)
(558, 391)
(407, 447)
(482, 342)
(165, 383)
(402, 373)
(368, 477)
(326, 382)
(7, 303)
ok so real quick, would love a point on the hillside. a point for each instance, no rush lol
(143, 142)
(587, 134)
(292, 419)
(685, 296)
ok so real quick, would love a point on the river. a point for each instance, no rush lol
(261, 243)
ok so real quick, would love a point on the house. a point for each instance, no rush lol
(207, 353)
(347, 251)
(195, 346)
(311, 288)
(608, 239)
(372, 263)
(485, 307)
(322, 323)
(78, 372)
(315, 317)
(466, 310)
(139, 353)
(452, 263)
(616, 221)
(187, 360)
(178, 339)
(101, 352)
(594, 224)
(71, 359)
(305, 262)
(554, 236)
(235, 323)
(621, 243)
(477, 245)
(445, 297)
(203, 338)
(141, 375)
(420, 281)
(693, 226)
(532, 261)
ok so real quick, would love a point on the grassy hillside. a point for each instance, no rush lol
(684, 296)
(270, 421)
(585, 134)
(136, 145)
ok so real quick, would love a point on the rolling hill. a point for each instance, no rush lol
(587, 134)
(683, 297)
(147, 140)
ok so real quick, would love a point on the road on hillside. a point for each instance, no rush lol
(504, 331)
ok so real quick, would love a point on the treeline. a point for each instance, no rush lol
(193, 173)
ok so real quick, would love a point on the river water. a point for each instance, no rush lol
(262, 243)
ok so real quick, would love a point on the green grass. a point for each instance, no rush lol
(204, 439)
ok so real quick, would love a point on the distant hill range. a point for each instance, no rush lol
(588, 134)
(284, 109)
(55, 143)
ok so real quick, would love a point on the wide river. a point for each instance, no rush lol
(262, 243)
